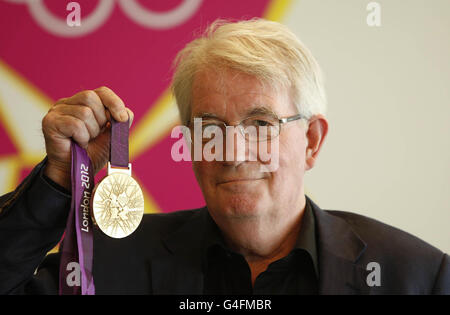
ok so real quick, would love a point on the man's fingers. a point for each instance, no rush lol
(114, 104)
(83, 113)
(103, 102)
(61, 100)
(90, 99)
(72, 127)
(130, 116)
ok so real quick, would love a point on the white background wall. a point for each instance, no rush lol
(387, 155)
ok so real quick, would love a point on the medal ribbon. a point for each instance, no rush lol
(119, 143)
(77, 247)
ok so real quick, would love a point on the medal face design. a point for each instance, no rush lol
(118, 205)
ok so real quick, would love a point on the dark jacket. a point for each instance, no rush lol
(163, 256)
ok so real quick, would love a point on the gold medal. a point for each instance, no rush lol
(118, 203)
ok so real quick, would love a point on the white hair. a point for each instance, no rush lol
(264, 49)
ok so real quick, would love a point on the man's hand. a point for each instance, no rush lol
(83, 118)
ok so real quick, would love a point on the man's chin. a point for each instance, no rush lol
(239, 199)
(242, 186)
(241, 207)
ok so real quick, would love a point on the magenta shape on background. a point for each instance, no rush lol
(132, 60)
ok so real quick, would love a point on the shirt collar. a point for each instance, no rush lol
(306, 239)
(307, 236)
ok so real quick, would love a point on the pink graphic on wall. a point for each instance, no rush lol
(126, 45)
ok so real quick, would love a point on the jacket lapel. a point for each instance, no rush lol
(339, 249)
(180, 271)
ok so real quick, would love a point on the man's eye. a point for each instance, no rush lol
(210, 127)
(204, 126)
(261, 123)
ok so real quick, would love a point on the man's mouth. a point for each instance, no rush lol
(239, 180)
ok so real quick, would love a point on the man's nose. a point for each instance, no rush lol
(236, 148)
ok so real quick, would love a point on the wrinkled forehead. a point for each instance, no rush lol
(229, 81)
(225, 90)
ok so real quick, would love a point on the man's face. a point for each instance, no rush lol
(239, 189)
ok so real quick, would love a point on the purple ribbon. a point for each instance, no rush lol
(119, 143)
(77, 247)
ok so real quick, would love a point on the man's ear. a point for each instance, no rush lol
(317, 131)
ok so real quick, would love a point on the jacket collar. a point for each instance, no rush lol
(339, 249)
(340, 271)
(180, 271)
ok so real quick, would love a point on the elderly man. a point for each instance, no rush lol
(258, 233)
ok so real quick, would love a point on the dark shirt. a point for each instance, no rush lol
(227, 272)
